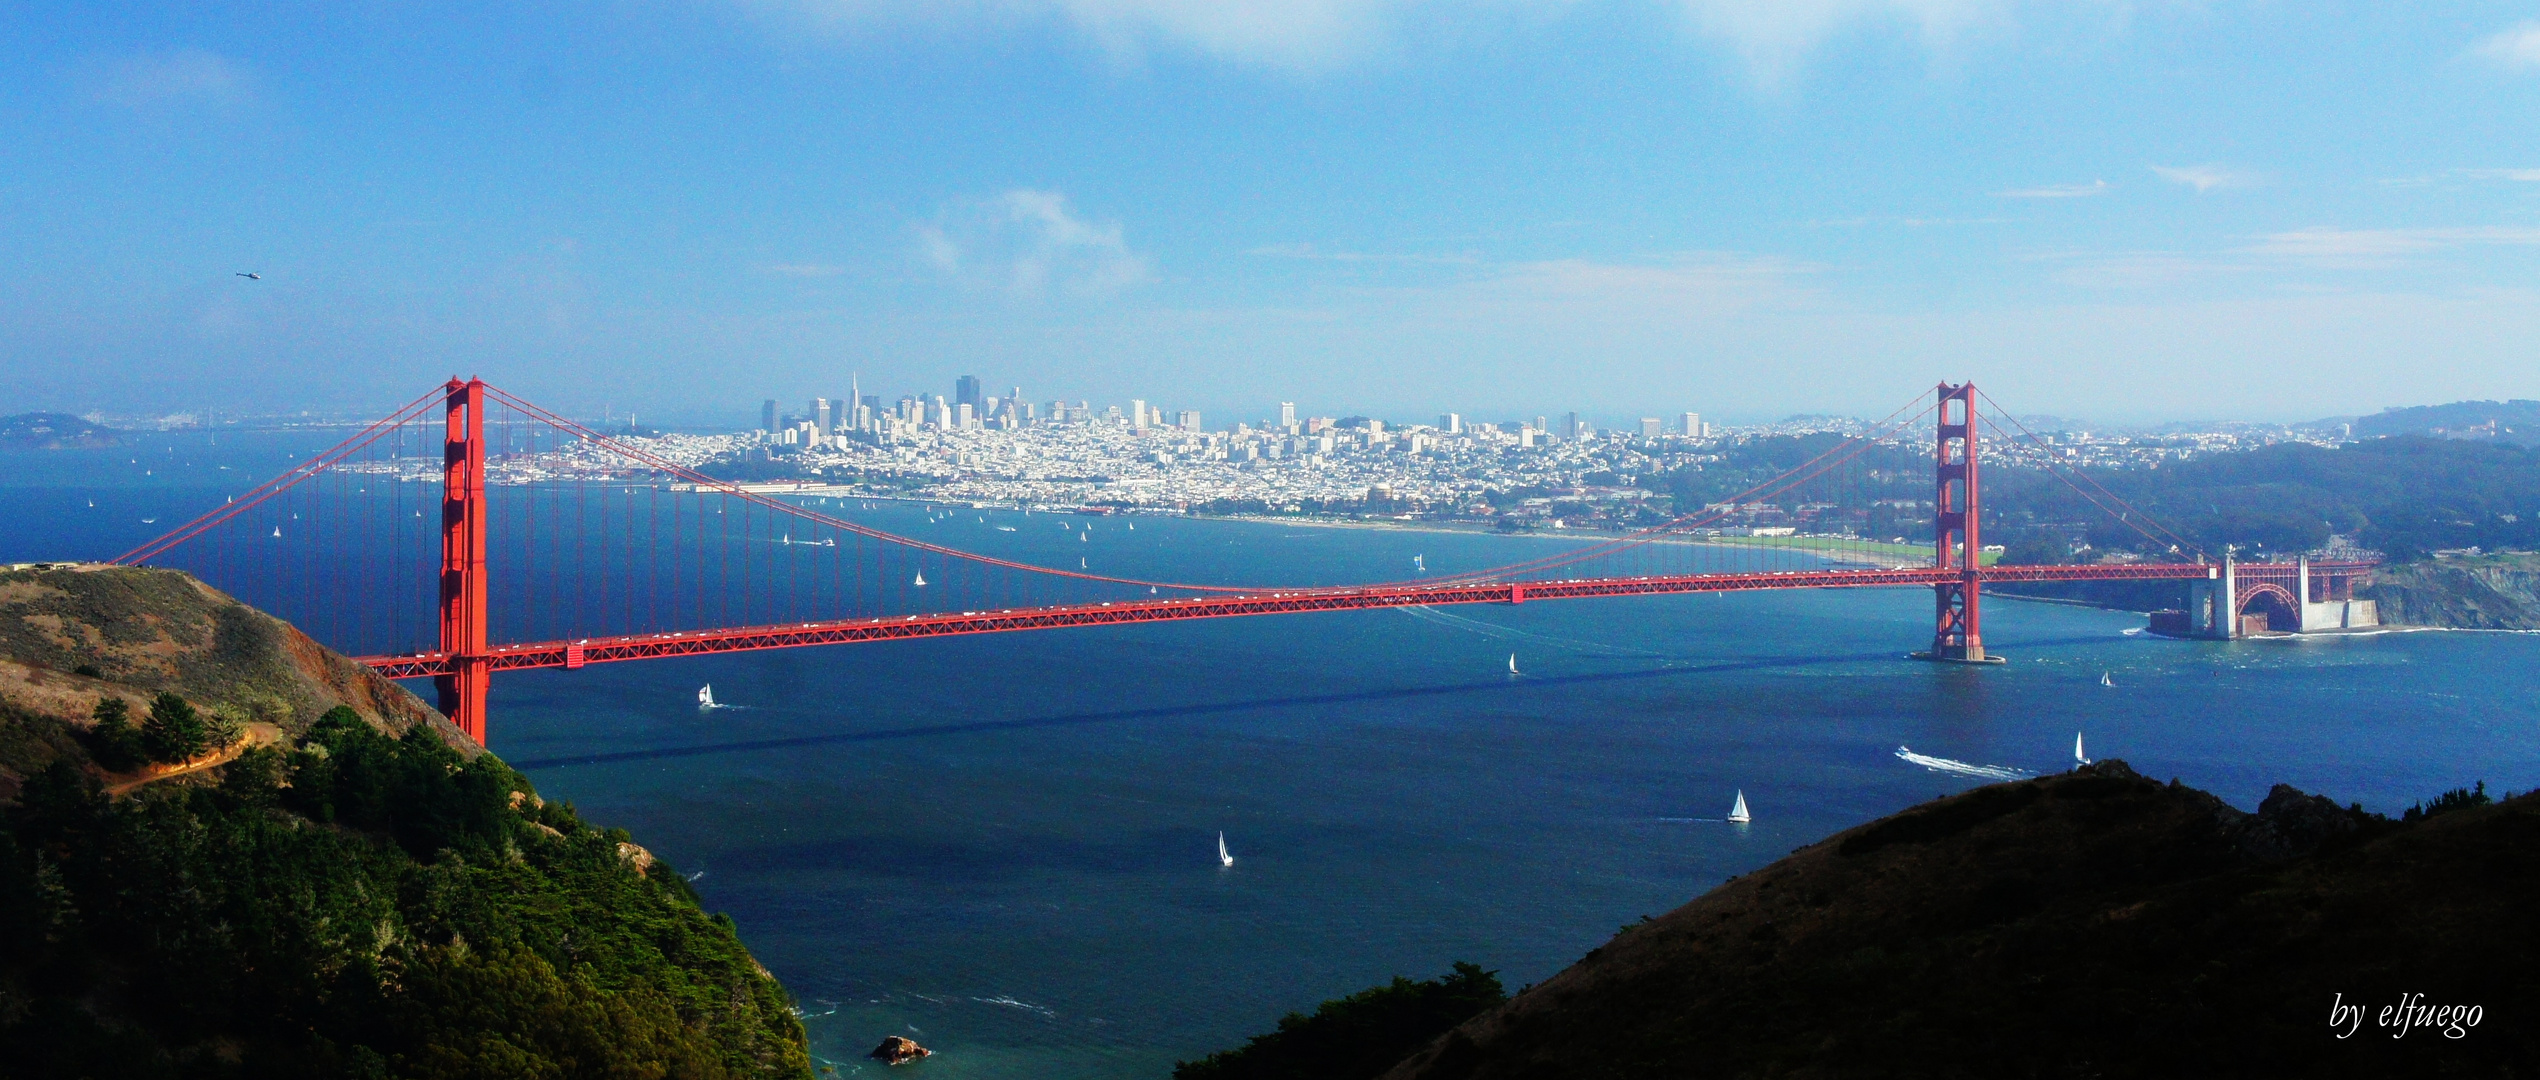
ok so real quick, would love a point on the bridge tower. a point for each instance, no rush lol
(462, 691)
(1957, 623)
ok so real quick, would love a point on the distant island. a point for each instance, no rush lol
(227, 851)
(54, 431)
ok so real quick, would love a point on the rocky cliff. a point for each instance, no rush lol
(2485, 592)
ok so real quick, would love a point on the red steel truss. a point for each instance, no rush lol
(553, 654)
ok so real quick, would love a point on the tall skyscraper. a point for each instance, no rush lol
(1190, 420)
(1138, 415)
(767, 417)
(1569, 426)
(820, 415)
(1651, 427)
(967, 391)
(1451, 423)
(1287, 414)
(965, 417)
(1693, 425)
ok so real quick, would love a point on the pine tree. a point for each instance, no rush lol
(114, 742)
(174, 731)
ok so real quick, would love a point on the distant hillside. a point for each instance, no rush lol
(227, 852)
(2405, 495)
(153, 630)
(2095, 923)
(2502, 421)
(53, 431)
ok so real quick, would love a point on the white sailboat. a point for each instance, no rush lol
(921, 579)
(2104, 680)
(705, 696)
(1417, 566)
(1512, 663)
(1223, 859)
(2078, 757)
(1737, 813)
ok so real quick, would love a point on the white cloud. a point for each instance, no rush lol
(2518, 47)
(1029, 242)
(1774, 36)
(1312, 253)
(2357, 246)
(2056, 191)
(1295, 35)
(2203, 178)
(186, 75)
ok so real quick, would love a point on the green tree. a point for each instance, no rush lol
(227, 725)
(114, 742)
(1359, 1036)
(174, 731)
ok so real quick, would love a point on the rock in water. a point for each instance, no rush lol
(898, 1051)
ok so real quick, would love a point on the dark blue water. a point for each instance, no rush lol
(1004, 846)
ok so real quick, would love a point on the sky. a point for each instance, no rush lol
(2120, 212)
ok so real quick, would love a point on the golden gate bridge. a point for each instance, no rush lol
(559, 546)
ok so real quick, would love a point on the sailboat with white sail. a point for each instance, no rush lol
(1512, 663)
(1737, 813)
(2104, 680)
(2079, 758)
(705, 698)
(1223, 859)
(921, 579)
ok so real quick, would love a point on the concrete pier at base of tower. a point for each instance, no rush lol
(2219, 607)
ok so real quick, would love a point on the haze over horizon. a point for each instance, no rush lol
(2114, 212)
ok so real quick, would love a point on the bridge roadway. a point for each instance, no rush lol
(600, 650)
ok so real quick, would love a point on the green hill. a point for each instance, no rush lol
(2095, 923)
(2090, 924)
(339, 893)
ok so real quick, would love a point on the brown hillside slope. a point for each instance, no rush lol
(148, 631)
(2090, 924)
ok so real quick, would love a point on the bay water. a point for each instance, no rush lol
(1004, 846)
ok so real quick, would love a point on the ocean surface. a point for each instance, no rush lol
(1005, 846)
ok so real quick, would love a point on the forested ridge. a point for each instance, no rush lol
(356, 904)
(2406, 496)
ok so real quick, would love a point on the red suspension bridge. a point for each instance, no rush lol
(559, 546)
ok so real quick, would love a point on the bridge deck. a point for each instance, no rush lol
(548, 654)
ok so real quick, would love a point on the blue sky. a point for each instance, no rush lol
(2114, 211)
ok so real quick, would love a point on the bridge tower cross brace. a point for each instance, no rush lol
(1957, 623)
(462, 691)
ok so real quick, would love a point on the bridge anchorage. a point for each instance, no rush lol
(560, 547)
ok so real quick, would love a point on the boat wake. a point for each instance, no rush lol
(1960, 768)
(1044, 1011)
